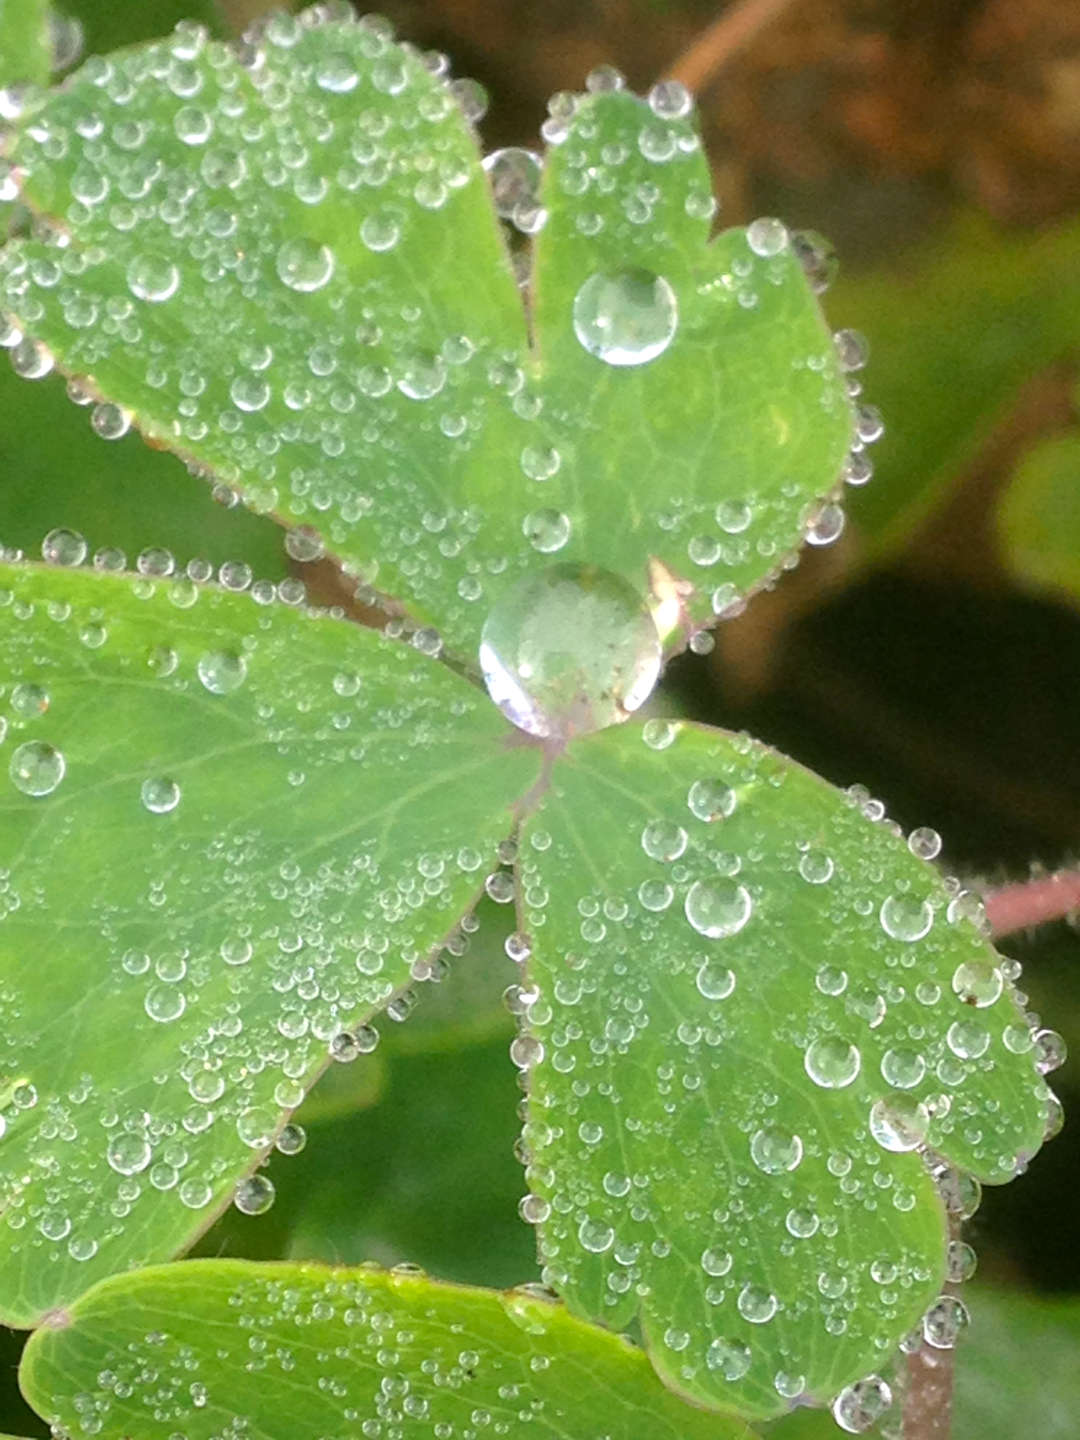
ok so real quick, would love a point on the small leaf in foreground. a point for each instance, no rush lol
(229, 833)
(207, 1348)
(755, 1009)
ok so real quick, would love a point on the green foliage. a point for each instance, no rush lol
(24, 42)
(235, 829)
(322, 1342)
(1039, 517)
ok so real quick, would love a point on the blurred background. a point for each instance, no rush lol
(932, 653)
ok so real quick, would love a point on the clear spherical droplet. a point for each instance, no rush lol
(626, 318)
(63, 547)
(304, 264)
(718, 908)
(904, 917)
(899, 1122)
(568, 650)
(978, 983)
(862, 1405)
(36, 768)
(731, 1358)
(775, 1151)
(160, 795)
(832, 1062)
(153, 277)
(514, 176)
(254, 1195)
(221, 672)
(711, 800)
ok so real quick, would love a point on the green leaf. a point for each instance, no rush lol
(171, 977)
(719, 939)
(956, 329)
(1038, 518)
(107, 27)
(304, 1351)
(334, 328)
(119, 495)
(25, 52)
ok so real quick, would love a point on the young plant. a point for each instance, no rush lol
(768, 1051)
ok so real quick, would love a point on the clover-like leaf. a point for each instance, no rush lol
(229, 833)
(754, 1008)
(290, 271)
(207, 1347)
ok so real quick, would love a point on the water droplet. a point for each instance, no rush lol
(153, 277)
(815, 867)
(129, 1153)
(595, 1236)
(832, 1062)
(304, 264)
(670, 100)
(36, 768)
(899, 1122)
(944, 1322)
(730, 1357)
(967, 1039)
(546, 530)
(164, 1003)
(925, 843)
(757, 1304)
(160, 795)
(569, 650)
(663, 840)
(902, 1068)
(29, 701)
(767, 237)
(254, 1195)
(63, 547)
(718, 908)
(774, 1151)
(862, 1405)
(514, 176)
(711, 800)
(714, 981)
(626, 318)
(905, 918)
(221, 672)
(978, 982)
(1051, 1051)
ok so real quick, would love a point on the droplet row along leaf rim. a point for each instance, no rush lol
(280, 840)
(745, 412)
(690, 1161)
(457, 1355)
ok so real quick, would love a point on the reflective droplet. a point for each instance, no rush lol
(925, 843)
(730, 1357)
(774, 1151)
(714, 981)
(944, 1322)
(968, 1039)
(899, 1122)
(767, 237)
(164, 1003)
(862, 1405)
(221, 672)
(63, 547)
(254, 1195)
(978, 983)
(304, 264)
(756, 1304)
(903, 917)
(153, 277)
(514, 176)
(546, 530)
(36, 768)
(832, 1062)
(902, 1068)
(569, 650)
(662, 840)
(711, 800)
(129, 1154)
(160, 795)
(718, 908)
(626, 318)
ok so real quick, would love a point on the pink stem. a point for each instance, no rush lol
(1033, 902)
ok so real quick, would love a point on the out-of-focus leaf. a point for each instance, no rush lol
(1039, 518)
(305, 1352)
(955, 328)
(25, 53)
(107, 26)
(58, 472)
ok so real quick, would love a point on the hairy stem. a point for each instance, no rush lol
(740, 23)
(928, 1396)
(1033, 902)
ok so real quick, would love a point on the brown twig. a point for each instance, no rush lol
(1033, 902)
(740, 23)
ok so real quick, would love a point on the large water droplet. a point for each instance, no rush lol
(774, 1151)
(221, 672)
(903, 917)
(730, 1357)
(832, 1062)
(569, 650)
(514, 175)
(304, 264)
(153, 277)
(899, 1122)
(861, 1405)
(718, 908)
(627, 318)
(36, 768)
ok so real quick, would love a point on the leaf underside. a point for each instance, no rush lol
(310, 1351)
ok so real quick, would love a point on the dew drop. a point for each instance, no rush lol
(160, 795)
(899, 1122)
(774, 1151)
(304, 265)
(711, 800)
(63, 547)
(978, 983)
(756, 1304)
(164, 1003)
(718, 908)
(730, 1357)
(832, 1062)
(905, 918)
(36, 768)
(514, 176)
(546, 530)
(715, 982)
(862, 1405)
(129, 1153)
(570, 649)
(221, 671)
(153, 277)
(663, 840)
(254, 1195)
(626, 318)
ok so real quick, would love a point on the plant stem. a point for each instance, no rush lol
(1033, 902)
(928, 1396)
(740, 23)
